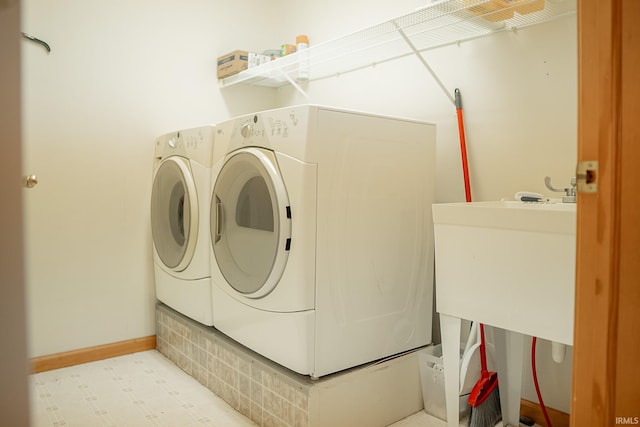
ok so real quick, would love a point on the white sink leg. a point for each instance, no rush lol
(509, 352)
(450, 331)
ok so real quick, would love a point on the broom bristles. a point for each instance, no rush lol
(488, 413)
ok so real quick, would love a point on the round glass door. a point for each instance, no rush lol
(174, 213)
(250, 228)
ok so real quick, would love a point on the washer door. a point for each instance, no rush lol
(250, 222)
(174, 213)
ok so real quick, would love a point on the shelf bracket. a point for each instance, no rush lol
(424, 62)
(297, 86)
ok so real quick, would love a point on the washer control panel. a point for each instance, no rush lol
(196, 144)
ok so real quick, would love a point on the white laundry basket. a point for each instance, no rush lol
(432, 378)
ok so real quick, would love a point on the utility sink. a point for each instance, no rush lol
(508, 264)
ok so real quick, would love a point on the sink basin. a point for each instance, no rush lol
(547, 217)
(508, 264)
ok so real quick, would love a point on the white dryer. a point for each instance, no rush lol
(321, 236)
(180, 221)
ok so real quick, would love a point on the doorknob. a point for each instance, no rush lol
(30, 181)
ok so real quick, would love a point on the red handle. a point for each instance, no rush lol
(483, 351)
(463, 145)
(463, 150)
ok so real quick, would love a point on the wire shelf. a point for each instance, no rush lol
(439, 24)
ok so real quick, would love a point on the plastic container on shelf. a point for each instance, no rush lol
(302, 44)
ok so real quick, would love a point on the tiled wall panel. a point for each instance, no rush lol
(267, 394)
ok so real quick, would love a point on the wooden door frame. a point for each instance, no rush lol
(14, 388)
(606, 372)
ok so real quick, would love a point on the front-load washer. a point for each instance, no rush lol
(180, 221)
(321, 236)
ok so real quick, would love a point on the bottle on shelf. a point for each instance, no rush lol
(302, 43)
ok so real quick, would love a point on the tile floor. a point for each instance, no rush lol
(138, 390)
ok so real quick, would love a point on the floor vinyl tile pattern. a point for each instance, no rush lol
(137, 390)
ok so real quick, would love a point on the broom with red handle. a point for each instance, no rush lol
(485, 397)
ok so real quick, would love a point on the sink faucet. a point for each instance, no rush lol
(569, 192)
